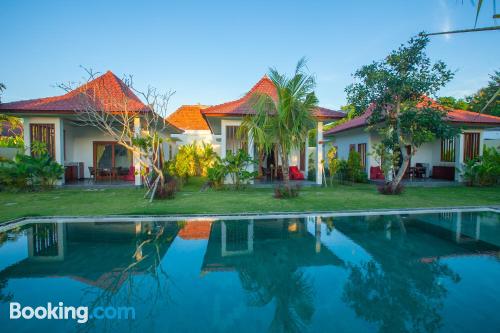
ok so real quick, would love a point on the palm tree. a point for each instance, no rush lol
(285, 120)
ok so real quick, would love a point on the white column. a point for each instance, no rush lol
(137, 164)
(459, 156)
(306, 164)
(27, 136)
(59, 145)
(319, 153)
(251, 152)
(317, 234)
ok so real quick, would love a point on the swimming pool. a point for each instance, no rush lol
(426, 272)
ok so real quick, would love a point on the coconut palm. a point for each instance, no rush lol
(283, 121)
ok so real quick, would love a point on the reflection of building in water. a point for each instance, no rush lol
(195, 229)
(453, 234)
(235, 243)
(98, 254)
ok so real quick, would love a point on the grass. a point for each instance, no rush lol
(190, 201)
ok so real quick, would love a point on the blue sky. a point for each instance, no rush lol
(211, 52)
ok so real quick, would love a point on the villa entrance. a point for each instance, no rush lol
(112, 161)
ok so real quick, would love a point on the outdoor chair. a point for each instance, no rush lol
(295, 173)
(92, 174)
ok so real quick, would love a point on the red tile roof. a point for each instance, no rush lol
(189, 117)
(453, 115)
(241, 107)
(196, 230)
(106, 93)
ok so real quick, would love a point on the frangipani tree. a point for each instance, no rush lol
(137, 126)
(395, 91)
(283, 121)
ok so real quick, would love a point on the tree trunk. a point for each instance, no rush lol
(285, 170)
(404, 153)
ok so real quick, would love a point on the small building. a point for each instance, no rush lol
(83, 149)
(440, 159)
(225, 119)
(196, 130)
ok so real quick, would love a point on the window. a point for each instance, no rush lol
(111, 158)
(471, 146)
(44, 133)
(362, 154)
(233, 141)
(448, 150)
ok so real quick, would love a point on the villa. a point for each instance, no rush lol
(195, 128)
(224, 119)
(84, 150)
(440, 159)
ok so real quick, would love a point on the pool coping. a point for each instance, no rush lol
(4, 226)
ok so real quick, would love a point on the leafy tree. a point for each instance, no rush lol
(284, 121)
(454, 103)
(487, 99)
(2, 88)
(394, 90)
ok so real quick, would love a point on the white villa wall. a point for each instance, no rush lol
(429, 153)
(355, 136)
(80, 144)
(198, 136)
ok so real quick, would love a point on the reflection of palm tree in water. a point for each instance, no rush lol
(396, 290)
(275, 277)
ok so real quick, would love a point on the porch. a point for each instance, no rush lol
(85, 152)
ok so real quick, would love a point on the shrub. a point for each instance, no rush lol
(30, 172)
(233, 166)
(192, 160)
(282, 192)
(216, 174)
(387, 190)
(354, 171)
(483, 170)
(168, 191)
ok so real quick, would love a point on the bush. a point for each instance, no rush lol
(483, 170)
(387, 190)
(192, 160)
(233, 166)
(281, 192)
(355, 172)
(168, 191)
(30, 172)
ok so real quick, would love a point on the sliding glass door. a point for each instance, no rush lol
(111, 160)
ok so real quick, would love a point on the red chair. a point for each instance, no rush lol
(131, 174)
(376, 173)
(295, 173)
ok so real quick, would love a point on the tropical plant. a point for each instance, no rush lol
(283, 121)
(30, 172)
(333, 162)
(236, 167)
(483, 170)
(453, 103)
(394, 91)
(216, 174)
(206, 158)
(355, 171)
(487, 99)
(192, 160)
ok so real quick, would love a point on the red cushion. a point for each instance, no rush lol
(295, 173)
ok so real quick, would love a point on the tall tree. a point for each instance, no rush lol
(284, 121)
(454, 103)
(487, 99)
(393, 90)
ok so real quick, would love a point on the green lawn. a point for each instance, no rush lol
(191, 201)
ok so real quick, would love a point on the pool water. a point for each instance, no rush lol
(382, 273)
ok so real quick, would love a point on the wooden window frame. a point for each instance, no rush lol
(45, 133)
(472, 142)
(362, 154)
(448, 150)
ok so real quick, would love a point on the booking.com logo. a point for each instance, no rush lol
(63, 312)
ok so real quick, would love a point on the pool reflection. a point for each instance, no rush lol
(378, 273)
